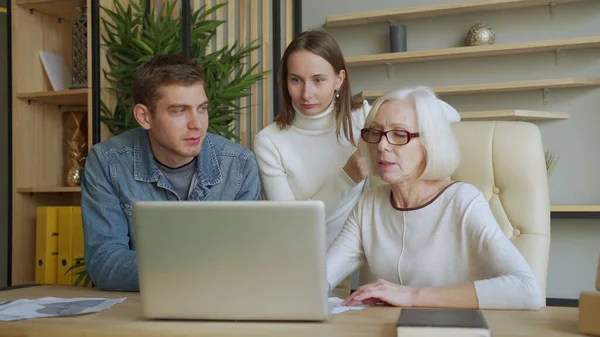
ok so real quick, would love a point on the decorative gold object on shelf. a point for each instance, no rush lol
(77, 157)
(75, 131)
(480, 34)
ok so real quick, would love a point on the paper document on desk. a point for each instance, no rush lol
(335, 304)
(53, 307)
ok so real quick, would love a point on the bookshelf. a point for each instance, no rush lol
(38, 122)
(474, 51)
(575, 211)
(403, 15)
(576, 208)
(71, 97)
(429, 11)
(483, 88)
(66, 9)
(60, 189)
(512, 115)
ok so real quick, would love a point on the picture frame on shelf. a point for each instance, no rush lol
(56, 70)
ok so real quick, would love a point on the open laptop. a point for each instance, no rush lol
(232, 260)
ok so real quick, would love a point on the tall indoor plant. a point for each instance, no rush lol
(131, 36)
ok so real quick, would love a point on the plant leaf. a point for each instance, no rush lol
(131, 38)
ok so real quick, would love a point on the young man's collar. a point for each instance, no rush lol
(146, 169)
(208, 169)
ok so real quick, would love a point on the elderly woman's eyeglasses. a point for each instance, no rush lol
(394, 137)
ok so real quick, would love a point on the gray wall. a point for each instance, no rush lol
(575, 243)
(4, 192)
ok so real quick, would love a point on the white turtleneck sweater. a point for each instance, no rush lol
(305, 162)
(451, 240)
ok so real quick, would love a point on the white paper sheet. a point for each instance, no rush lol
(335, 303)
(53, 307)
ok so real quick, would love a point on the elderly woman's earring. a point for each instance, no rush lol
(337, 93)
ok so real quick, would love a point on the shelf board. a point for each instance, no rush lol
(429, 11)
(576, 208)
(499, 87)
(474, 51)
(2, 10)
(575, 212)
(60, 8)
(58, 189)
(61, 97)
(512, 115)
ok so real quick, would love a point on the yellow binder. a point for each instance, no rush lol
(46, 245)
(65, 245)
(78, 246)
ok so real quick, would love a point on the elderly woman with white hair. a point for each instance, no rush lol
(429, 241)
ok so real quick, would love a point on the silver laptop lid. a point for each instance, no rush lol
(232, 260)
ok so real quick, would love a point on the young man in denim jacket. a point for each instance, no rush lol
(170, 157)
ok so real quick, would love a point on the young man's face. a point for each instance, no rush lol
(178, 125)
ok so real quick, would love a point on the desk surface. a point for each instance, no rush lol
(125, 319)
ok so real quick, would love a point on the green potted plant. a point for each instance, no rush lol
(551, 161)
(79, 269)
(131, 38)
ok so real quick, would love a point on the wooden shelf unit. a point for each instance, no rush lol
(38, 165)
(513, 115)
(59, 189)
(499, 87)
(576, 208)
(436, 10)
(62, 97)
(66, 9)
(575, 212)
(474, 51)
(393, 16)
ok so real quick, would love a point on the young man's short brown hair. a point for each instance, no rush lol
(160, 71)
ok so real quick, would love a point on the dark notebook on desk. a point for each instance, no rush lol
(441, 322)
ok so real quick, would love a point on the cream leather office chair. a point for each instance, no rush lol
(505, 161)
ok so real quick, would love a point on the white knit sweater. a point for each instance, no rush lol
(452, 240)
(305, 162)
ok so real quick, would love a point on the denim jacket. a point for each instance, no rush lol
(122, 170)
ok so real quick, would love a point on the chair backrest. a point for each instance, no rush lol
(505, 161)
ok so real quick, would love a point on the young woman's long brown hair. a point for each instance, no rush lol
(320, 43)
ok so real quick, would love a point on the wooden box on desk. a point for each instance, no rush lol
(589, 309)
(598, 276)
(589, 313)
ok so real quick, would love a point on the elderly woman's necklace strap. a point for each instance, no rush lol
(424, 202)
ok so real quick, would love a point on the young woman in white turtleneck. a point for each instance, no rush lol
(309, 153)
